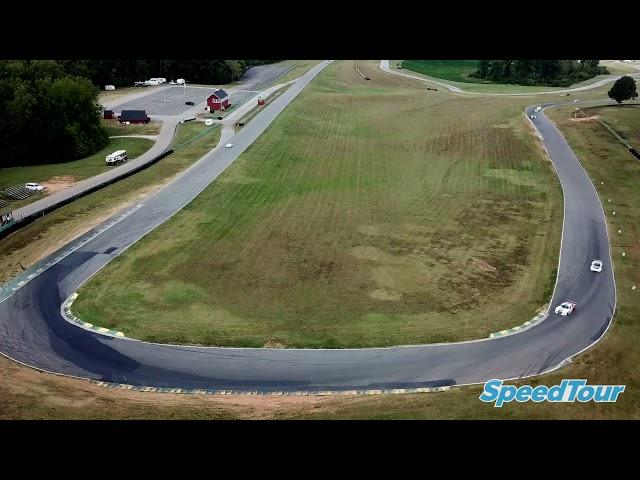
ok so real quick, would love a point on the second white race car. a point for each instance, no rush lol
(596, 266)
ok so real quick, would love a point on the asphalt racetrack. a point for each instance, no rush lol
(33, 331)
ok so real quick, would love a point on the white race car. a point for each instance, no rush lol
(228, 145)
(565, 308)
(596, 266)
(533, 117)
(36, 187)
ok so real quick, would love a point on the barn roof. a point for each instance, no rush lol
(220, 93)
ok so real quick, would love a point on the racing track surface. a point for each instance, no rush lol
(33, 331)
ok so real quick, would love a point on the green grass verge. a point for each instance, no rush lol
(454, 70)
(33, 242)
(114, 128)
(369, 213)
(190, 132)
(258, 108)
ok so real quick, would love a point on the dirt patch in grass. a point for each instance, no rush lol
(388, 295)
(485, 266)
(59, 182)
(585, 119)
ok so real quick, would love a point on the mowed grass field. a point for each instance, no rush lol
(370, 213)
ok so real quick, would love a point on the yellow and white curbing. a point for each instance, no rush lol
(69, 316)
(200, 391)
(510, 331)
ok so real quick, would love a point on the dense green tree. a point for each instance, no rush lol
(539, 72)
(623, 89)
(48, 115)
(123, 73)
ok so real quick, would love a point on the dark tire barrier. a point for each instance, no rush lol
(635, 153)
(19, 223)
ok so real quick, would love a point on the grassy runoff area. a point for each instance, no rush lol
(454, 70)
(369, 213)
(26, 246)
(624, 120)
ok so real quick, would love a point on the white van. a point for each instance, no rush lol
(180, 81)
(119, 156)
(109, 87)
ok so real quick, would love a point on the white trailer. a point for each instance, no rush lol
(119, 156)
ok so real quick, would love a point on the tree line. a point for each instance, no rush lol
(47, 114)
(123, 73)
(553, 73)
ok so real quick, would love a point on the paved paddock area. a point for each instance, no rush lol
(260, 76)
(170, 99)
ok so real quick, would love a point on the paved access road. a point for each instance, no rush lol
(33, 331)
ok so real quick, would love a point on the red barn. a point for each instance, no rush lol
(218, 100)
